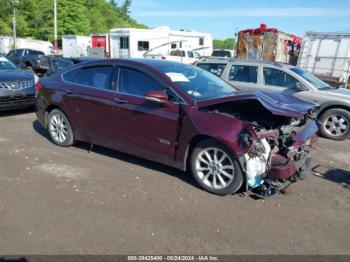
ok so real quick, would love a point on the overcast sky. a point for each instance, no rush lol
(222, 18)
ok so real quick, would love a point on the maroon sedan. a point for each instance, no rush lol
(184, 117)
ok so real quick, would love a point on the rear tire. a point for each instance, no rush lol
(59, 128)
(215, 168)
(335, 124)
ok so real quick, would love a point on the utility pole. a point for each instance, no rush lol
(55, 25)
(13, 4)
(14, 26)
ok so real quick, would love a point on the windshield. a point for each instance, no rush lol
(197, 83)
(6, 65)
(319, 84)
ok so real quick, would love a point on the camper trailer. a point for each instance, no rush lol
(136, 43)
(6, 45)
(75, 45)
(268, 44)
(326, 55)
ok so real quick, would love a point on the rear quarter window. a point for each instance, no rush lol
(70, 76)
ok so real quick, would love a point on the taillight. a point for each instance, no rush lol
(38, 86)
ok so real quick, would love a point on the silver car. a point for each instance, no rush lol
(334, 112)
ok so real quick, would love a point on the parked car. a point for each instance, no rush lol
(17, 87)
(28, 59)
(54, 64)
(184, 117)
(178, 55)
(334, 111)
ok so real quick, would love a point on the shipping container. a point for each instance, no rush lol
(268, 44)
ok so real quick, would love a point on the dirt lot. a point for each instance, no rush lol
(67, 201)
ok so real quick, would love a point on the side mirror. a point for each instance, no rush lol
(158, 97)
(299, 86)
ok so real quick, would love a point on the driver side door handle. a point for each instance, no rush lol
(120, 101)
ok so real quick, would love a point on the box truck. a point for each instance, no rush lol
(75, 45)
(326, 55)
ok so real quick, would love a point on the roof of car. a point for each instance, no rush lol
(248, 61)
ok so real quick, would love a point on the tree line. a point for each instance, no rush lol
(35, 18)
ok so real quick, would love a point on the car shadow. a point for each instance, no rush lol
(336, 175)
(15, 112)
(184, 176)
(9, 259)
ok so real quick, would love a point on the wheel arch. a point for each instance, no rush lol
(195, 141)
(333, 106)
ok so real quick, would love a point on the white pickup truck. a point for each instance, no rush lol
(179, 55)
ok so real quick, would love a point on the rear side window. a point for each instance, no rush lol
(275, 77)
(242, 73)
(134, 82)
(215, 69)
(96, 77)
(221, 53)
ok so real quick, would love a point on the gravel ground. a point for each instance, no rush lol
(67, 201)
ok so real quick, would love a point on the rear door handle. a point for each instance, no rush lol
(120, 101)
(69, 91)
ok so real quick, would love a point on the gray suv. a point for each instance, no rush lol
(334, 112)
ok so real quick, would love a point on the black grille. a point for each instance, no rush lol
(16, 99)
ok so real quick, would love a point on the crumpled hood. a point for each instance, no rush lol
(276, 103)
(15, 74)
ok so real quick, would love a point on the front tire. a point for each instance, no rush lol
(215, 168)
(335, 124)
(59, 128)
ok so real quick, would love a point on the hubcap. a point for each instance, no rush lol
(336, 125)
(58, 128)
(215, 168)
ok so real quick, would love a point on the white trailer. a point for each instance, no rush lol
(75, 45)
(6, 44)
(39, 45)
(326, 55)
(134, 43)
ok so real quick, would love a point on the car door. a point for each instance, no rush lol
(90, 99)
(243, 77)
(276, 80)
(147, 128)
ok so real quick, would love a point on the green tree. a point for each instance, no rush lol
(125, 8)
(224, 44)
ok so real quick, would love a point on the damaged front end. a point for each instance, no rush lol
(278, 157)
(279, 137)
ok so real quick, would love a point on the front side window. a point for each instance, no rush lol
(216, 69)
(137, 83)
(275, 77)
(143, 45)
(318, 83)
(96, 77)
(242, 73)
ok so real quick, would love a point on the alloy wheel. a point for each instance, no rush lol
(58, 128)
(336, 125)
(215, 168)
